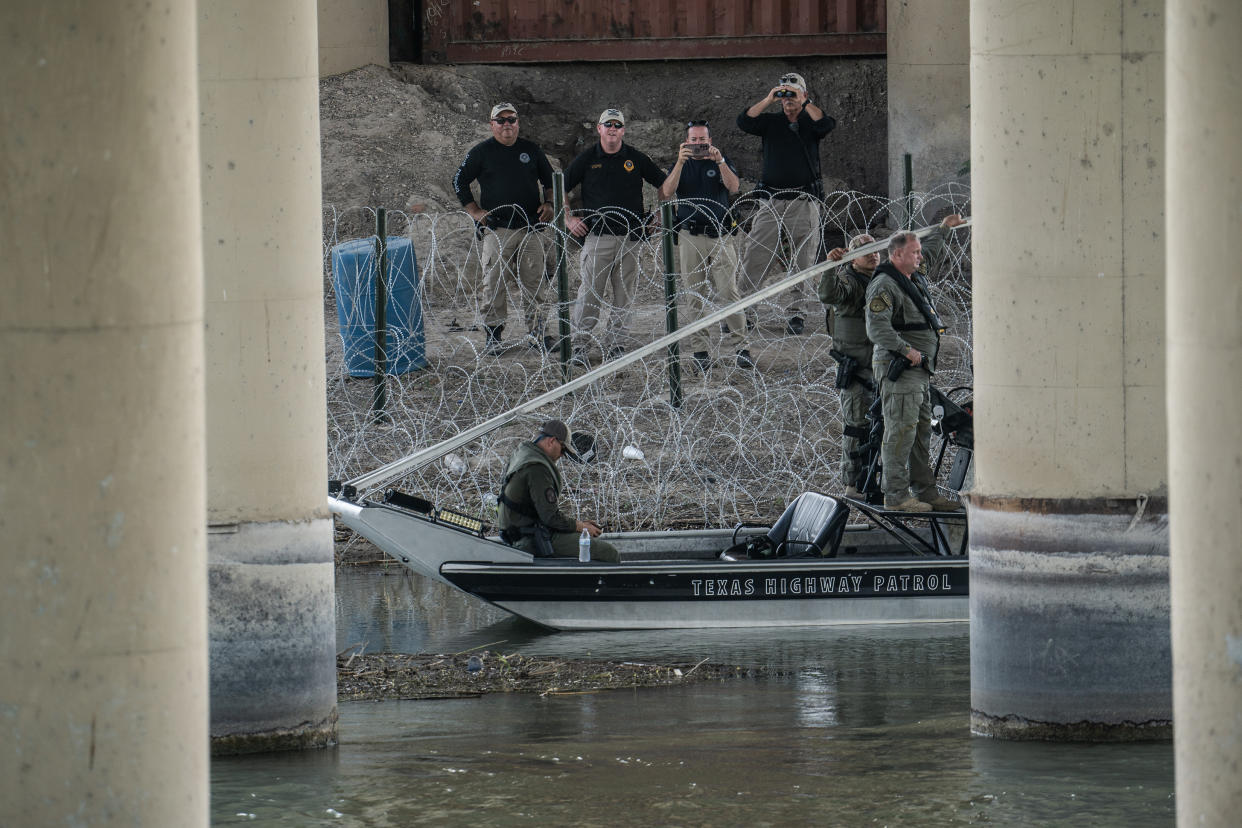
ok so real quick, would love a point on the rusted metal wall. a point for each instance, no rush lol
(496, 31)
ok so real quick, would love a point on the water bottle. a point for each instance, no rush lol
(584, 547)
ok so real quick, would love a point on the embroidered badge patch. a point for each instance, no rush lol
(629, 165)
(550, 494)
(711, 173)
(524, 158)
(879, 304)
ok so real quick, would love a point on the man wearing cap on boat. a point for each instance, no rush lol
(530, 515)
(515, 194)
(611, 174)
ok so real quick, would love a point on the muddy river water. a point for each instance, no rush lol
(861, 726)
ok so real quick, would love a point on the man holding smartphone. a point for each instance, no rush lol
(702, 180)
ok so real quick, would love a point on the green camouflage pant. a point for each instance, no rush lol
(855, 401)
(906, 450)
(565, 545)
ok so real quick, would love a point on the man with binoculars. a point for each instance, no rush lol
(790, 189)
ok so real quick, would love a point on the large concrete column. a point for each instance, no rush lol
(928, 91)
(1069, 540)
(103, 639)
(1204, 401)
(273, 666)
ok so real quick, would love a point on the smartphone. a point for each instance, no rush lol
(700, 150)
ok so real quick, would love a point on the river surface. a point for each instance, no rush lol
(862, 726)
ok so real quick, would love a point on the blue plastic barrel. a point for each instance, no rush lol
(353, 277)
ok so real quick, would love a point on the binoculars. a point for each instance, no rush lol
(785, 93)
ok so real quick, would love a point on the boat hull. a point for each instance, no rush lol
(564, 594)
(660, 595)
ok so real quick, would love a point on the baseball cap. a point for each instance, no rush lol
(558, 430)
(611, 115)
(794, 80)
(503, 107)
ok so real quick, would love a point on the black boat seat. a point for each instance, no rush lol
(812, 525)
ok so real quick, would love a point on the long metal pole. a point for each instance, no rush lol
(562, 271)
(908, 189)
(670, 304)
(379, 395)
(422, 457)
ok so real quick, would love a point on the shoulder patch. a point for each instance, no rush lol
(550, 494)
(879, 303)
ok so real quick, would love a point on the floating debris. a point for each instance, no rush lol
(462, 675)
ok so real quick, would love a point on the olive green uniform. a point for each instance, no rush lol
(845, 289)
(895, 323)
(534, 485)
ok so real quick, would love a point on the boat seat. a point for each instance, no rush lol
(812, 525)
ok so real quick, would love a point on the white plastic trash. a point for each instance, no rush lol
(633, 453)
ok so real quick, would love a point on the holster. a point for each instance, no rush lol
(897, 367)
(542, 536)
(847, 368)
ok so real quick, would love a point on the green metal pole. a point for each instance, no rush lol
(670, 305)
(562, 271)
(379, 396)
(908, 189)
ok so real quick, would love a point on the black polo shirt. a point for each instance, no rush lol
(790, 150)
(509, 181)
(612, 187)
(703, 198)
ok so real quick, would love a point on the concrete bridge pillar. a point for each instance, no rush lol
(1204, 401)
(928, 91)
(272, 631)
(103, 616)
(1069, 539)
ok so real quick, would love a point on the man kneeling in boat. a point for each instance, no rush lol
(530, 515)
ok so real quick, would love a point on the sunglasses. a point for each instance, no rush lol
(696, 123)
(510, 119)
(613, 125)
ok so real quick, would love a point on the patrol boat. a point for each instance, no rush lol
(808, 568)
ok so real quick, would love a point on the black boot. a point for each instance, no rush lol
(492, 344)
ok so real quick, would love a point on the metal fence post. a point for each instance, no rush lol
(379, 396)
(562, 272)
(908, 189)
(670, 304)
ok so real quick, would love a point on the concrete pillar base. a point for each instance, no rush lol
(318, 735)
(272, 636)
(1017, 729)
(1069, 619)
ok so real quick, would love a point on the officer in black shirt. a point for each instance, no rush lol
(702, 179)
(790, 188)
(515, 186)
(611, 174)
